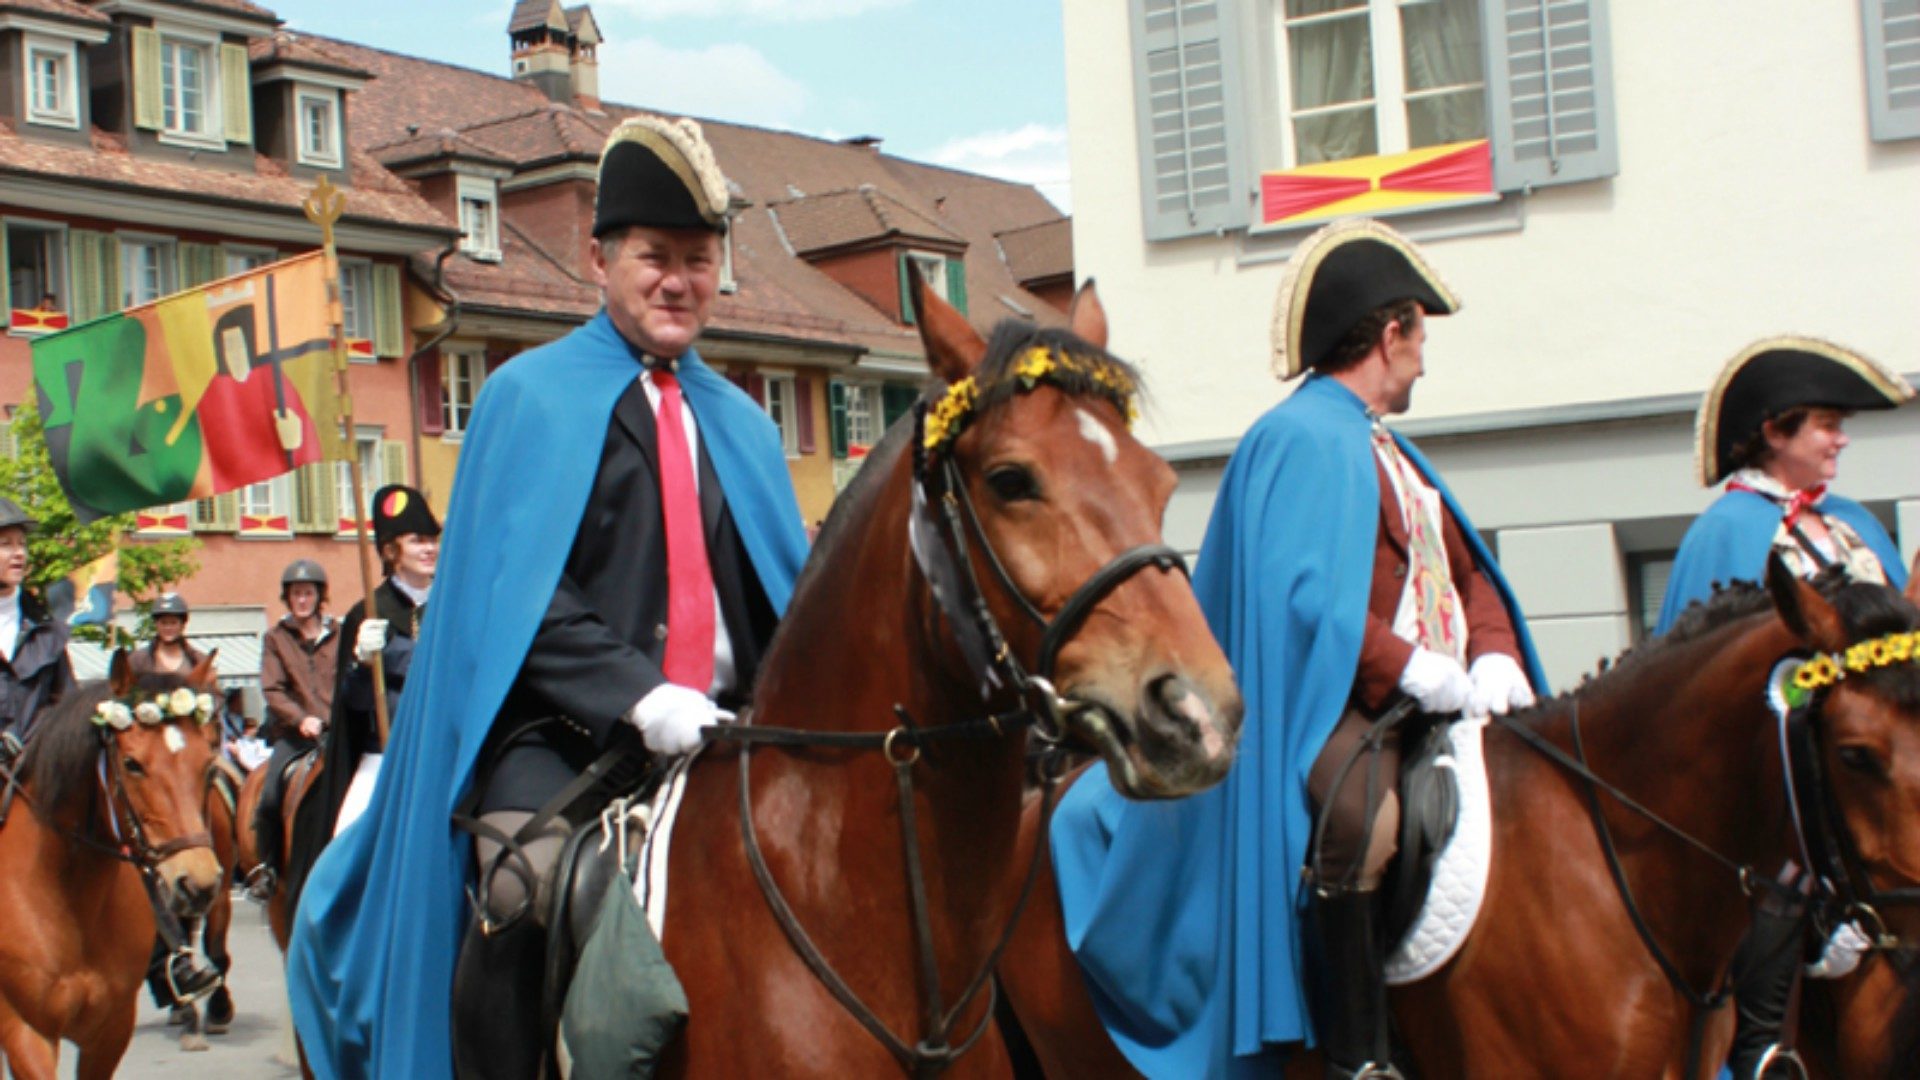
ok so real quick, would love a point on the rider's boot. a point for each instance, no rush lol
(267, 839)
(187, 979)
(1353, 1015)
(1765, 972)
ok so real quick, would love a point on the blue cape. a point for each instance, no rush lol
(1730, 541)
(370, 967)
(1186, 916)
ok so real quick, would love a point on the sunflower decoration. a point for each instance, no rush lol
(949, 416)
(1825, 669)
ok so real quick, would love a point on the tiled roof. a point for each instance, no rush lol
(525, 279)
(835, 219)
(62, 9)
(545, 133)
(578, 14)
(424, 95)
(375, 195)
(243, 8)
(444, 143)
(1038, 251)
(534, 14)
(282, 47)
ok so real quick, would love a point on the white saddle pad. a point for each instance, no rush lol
(359, 792)
(1460, 874)
(660, 815)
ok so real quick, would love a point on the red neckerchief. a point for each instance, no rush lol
(1793, 506)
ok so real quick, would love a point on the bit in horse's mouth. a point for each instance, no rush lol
(1104, 732)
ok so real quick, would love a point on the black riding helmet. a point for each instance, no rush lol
(170, 604)
(304, 570)
(11, 516)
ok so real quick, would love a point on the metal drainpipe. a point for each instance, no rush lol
(449, 325)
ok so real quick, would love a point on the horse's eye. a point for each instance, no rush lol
(132, 767)
(1861, 760)
(1013, 483)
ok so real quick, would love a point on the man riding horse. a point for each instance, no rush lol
(1342, 579)
(654, 535)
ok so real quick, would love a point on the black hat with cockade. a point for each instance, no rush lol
(399, 510)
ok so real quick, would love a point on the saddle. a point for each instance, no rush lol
(514, 974)
(1429, 812)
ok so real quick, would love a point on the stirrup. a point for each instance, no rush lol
(1788, 1061)
(260, 883)
(1374, 1070)
(187, 996)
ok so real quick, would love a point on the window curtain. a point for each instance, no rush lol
(1331, 64)
(1441, 41)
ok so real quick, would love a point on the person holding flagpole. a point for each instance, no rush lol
(644, 504)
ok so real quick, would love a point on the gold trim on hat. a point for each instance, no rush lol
(1290, 306)
(682, 146)
(1706, 421)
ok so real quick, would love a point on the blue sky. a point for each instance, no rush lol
(975, 84)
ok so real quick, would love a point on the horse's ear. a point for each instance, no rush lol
(953, 346)
(120, 676)
(1087, 318)
(1803, 609)
(203, 675)
(1913, 580)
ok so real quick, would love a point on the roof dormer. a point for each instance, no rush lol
(184, 75)
(45, 46)
(300, 103)
(868, 240)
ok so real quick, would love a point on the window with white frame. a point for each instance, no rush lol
(863, 414)
(782, 405)
(239, 260)
(270, 499)
(933, 270)
(480, 217)
(52, 97)
(319, 118)
(356, 298)
(37, 266)
(460, 383)
(189, 106)
(367, 446)
(149, 270)
(1365, 77)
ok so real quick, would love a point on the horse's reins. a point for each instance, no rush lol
(940, 549)
(141, 855)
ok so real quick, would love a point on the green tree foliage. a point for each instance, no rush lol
(60, 544)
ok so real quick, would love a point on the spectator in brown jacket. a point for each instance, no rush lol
(298, 662)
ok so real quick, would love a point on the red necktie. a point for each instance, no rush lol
(689, 658)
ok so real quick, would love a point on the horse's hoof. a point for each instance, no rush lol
(194, 1041)
(219, 1012)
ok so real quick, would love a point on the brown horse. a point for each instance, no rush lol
(306, 771)
(1554, 976)
(110, 801)
(1865, 1026)
(1061, 489)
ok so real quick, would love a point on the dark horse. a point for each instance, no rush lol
(1554, 977)
(110, 803)
(1062, 492)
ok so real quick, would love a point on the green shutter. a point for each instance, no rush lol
(201, 263)
(1549, 92)
(1189, 113)
(313, 499)
(957, 285)
(837, 416)
(389, 336)
(218, 514)
(236, 94)
(393, 465)
(906, 287)
(148, 111)
(896, 401)
(95, 264)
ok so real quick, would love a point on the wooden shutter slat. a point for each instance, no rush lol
(433, 412)
(1190, 113)
(236, 95)
(957, 284)
(389, 336)
(393, 463)
(803, 413)
(148, 109)
(1549, 92)
(1893, 69)
(837, 418)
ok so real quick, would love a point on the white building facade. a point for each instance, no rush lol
(1625, 194)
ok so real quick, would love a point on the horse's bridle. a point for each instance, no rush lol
(941, 551)
(144, 856)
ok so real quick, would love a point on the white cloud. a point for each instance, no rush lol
(1034, 154)
(722, 82)
(755, 10)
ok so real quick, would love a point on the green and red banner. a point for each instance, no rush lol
(200, 393)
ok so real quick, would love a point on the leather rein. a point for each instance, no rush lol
(939, 539)
(134, 850)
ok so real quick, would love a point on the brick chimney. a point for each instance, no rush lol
(542, 47)
(584, 42)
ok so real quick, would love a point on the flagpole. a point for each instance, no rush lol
(324, 207)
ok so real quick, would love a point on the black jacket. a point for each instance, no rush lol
(598, 649)
(39, 675)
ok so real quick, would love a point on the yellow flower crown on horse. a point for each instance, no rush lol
(1823, 670)
(949, 416)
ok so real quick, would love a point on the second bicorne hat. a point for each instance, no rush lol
(1776, 374)
(1336, 277)
(399, 510)
(659, 174)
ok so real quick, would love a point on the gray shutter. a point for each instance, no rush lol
(1549, 92)
(1893, 68)
(148, 109)
(1189, 112)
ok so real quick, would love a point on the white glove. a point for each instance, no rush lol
(1842, 954)
(370, 640)
(1437, 682)
(1499, 686)
(670, 718)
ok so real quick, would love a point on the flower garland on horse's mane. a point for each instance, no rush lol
(1825, 669)
(179, 704)
(948, 417)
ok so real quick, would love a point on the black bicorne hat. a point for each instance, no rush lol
(1774, 375)
(1335, 278)
(399, 510)
(661, 174)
